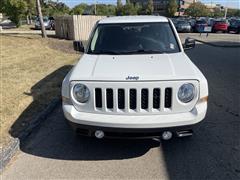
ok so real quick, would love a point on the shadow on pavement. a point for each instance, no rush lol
(214, 150)
(56, 140)
(42, 93)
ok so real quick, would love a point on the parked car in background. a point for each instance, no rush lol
(234, 26)
(7, 24)
(200, 25)
(52, 22)
(175, 21)
(211, 22)
(47, 21)
(220, 25)
(183, 26)
(192, 22)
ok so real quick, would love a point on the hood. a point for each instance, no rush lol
(134, 67)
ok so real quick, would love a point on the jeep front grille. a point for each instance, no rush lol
(135, 100)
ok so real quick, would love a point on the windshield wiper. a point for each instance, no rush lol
(142, 51)
(105, 52)
(139, 51)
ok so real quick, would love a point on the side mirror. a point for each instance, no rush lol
(189, 44)
(78, 46)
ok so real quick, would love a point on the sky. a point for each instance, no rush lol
(227, 3)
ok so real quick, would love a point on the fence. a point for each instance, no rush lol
(76, 27)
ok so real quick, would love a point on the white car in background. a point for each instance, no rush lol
(134, 80)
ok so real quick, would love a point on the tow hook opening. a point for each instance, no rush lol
(184, 133)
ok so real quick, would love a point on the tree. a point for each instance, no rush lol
(44, 34)
(31, 10)
(54, 8)
(119, 8)
(129, 9)
(197, 10)
(233, 12)
(14, 9)
(79, 9)
(217, 12)
(150, 8)
(119, 3)
(237, 12)
(106, 9)
(172, 7)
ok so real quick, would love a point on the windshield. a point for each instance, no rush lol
(137, 38)
(201, 22)
(237, 22)
(221, 21)
(45, 19)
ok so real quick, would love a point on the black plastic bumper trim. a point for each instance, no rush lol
(111, 132)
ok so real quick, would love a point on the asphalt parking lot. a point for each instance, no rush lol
(54, 152)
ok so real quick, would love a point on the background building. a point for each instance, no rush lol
(212, 7)
(160, 6)
(183, 5)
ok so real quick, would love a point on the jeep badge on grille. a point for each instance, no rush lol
(132, 78)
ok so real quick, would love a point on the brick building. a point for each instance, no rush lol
(160, 6)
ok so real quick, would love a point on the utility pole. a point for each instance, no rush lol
(225, 15)
(179, 7)
(95, 8)
(226, 10)
(44, 34)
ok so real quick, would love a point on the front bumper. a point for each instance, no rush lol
(196, 115)
(235, 29)
(128, 133)
(220, 29)
(39, 27)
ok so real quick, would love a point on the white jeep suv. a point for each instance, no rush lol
(134, 80)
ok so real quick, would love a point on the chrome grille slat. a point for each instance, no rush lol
(139, 100)
(150, 99)
(162, 98)
(127, 107)
(104, 99)
(115, 97)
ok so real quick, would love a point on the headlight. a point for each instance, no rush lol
(81, 93)
(186, 93)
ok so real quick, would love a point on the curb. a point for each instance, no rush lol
(8, 152)
(217, 45)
